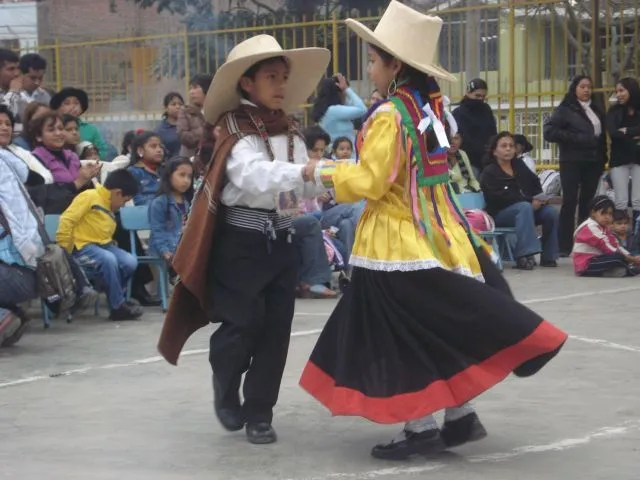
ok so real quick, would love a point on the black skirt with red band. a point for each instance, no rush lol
(402, 345)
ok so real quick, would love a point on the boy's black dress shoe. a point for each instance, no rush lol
(261, 433)
(427, 443)
(230, 417)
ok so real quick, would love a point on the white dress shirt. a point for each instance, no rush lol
(255, 181)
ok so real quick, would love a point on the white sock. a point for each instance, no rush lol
(452, 414)
(420, 425)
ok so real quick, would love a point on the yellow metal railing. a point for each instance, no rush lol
(527, 51)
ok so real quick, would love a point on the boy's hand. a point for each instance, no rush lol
(537, 204)
(16, 85)
(168, 257)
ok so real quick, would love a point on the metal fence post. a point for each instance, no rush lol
(512, 66)
(335, 42)
(187, 63)
(56, 56)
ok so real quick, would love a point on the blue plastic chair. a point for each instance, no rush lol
(51, 225)
(471, 201)
(135, 219)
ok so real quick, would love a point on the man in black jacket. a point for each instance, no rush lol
(476, 123)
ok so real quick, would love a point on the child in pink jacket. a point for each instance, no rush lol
(596, 250)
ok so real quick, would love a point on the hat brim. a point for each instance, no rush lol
(369, 36)
(65, 93)
(307, 66)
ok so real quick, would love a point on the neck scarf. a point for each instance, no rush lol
(593, 118)
(190, 306)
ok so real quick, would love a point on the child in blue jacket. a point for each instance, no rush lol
(168, 211)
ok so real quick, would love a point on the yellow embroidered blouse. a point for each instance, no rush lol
(387, 238)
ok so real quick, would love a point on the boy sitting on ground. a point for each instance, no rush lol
(86, 230)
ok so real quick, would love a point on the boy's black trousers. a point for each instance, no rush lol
(253, 280)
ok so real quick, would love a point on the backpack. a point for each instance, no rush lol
(550, 181)
(55, 279)
(480, 220)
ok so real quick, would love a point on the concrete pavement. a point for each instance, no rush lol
(92, 400)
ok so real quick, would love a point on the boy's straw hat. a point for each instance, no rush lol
(307, 65)
(408, 35)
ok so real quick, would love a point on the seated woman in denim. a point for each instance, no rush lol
(515, 199)
(168, 211)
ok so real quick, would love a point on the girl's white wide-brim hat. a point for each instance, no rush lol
(307, 66)
(410, 36)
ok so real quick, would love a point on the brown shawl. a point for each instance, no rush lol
(190, 301)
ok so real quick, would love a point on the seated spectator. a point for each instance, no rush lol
(71, 127)
(86, 230)
(596, 250)
(125, 152)
(523, 147)
(31, 112)
(168, 211)
(375, 97)
(49, 137)
(48, 195)
(147, 155)
(87, 151)
(33, 68)
(344, 216)
(462, 177)
(168, 128)
(191, 122)
(514, 199)
(620, 228)
(337, 107)
(73, 101)
(314, 272)
(10, 81)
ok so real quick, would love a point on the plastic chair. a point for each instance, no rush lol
(471, 201)
(136, 219)
(51, 225)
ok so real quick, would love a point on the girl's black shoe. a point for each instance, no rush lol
(464, 430)
(427, 443)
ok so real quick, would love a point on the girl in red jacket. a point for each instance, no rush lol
(596, 250)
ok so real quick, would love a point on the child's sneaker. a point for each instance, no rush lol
(126, 312)
(87, 299)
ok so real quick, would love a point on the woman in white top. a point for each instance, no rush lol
(577, 126)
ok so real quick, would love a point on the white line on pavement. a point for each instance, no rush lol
(156, 359)
(565, 444)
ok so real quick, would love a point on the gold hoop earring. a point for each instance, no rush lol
(393, 86)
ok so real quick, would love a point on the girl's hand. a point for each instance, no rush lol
(341, 82)
(309, 171)
(324, 198)
(86, 173)
(623, 130)
(168, 257)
